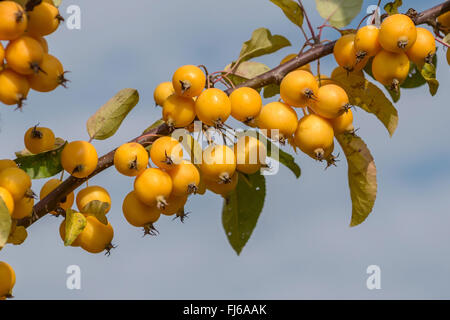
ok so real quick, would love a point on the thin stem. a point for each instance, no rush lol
(442, 42)
(311, 29)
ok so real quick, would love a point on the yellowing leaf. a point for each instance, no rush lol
(75, 224)
(339, 12)
(245, 71)
(369, 97)
(5, 223)
(97, 209)
(428, 72)
(291, 9)
(362, 176)
(155, 124)
(249, 69)
(18, 236)
(262, 42)
(392, 7)
(105, 122)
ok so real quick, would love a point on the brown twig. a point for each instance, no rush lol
(275, 75)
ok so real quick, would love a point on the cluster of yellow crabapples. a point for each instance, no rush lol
(25, 62)
(165, 188)
(392, 46)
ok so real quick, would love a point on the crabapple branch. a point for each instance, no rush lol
(274, 76)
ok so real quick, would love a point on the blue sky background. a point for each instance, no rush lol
(302, 247)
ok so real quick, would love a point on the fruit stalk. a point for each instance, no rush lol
(50, 202)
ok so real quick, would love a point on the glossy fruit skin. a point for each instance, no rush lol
(366, 41)
(62, 234)
(332, 101)
(2, 56)
(14, 88)
(166, 152)
(79, 158)
(185, 179)
(153, 187)
(23, 208)
(250, 154)
(298, 88)
(324, 80)
(223, 189)
(178, 111)
(278, 116)
(51, 185)
(16, 181)
(314, 135)
(7, 163)
(42, 41)
(174, 204)
(43, 20)
(343, 123)
(389, 68)
(51, 79)
(306, 67)
(246, 103)
(192, 77)
(137, 213)
(96, 237)
(92, 193)
(444, 19)
(162, 92)
(213, 107)
(218, 163)
(345, 54)
(7, 279)
(24, 55)
(423, 50)
(397, 33)
(13, 20)
(8, 200)
(39, 139)
(130, 159)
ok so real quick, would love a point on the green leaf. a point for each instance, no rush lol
(97, 209)
(75, 224)
(291, 9)
(43, 165)
(242, 208)
(428, 72)
(5, 223)
(392, 7)
(105, 122)
(414, 79)
(368, 97)
(362, 176)
(279, 155)
(262, 42)
(271, 90)
(339, 12)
